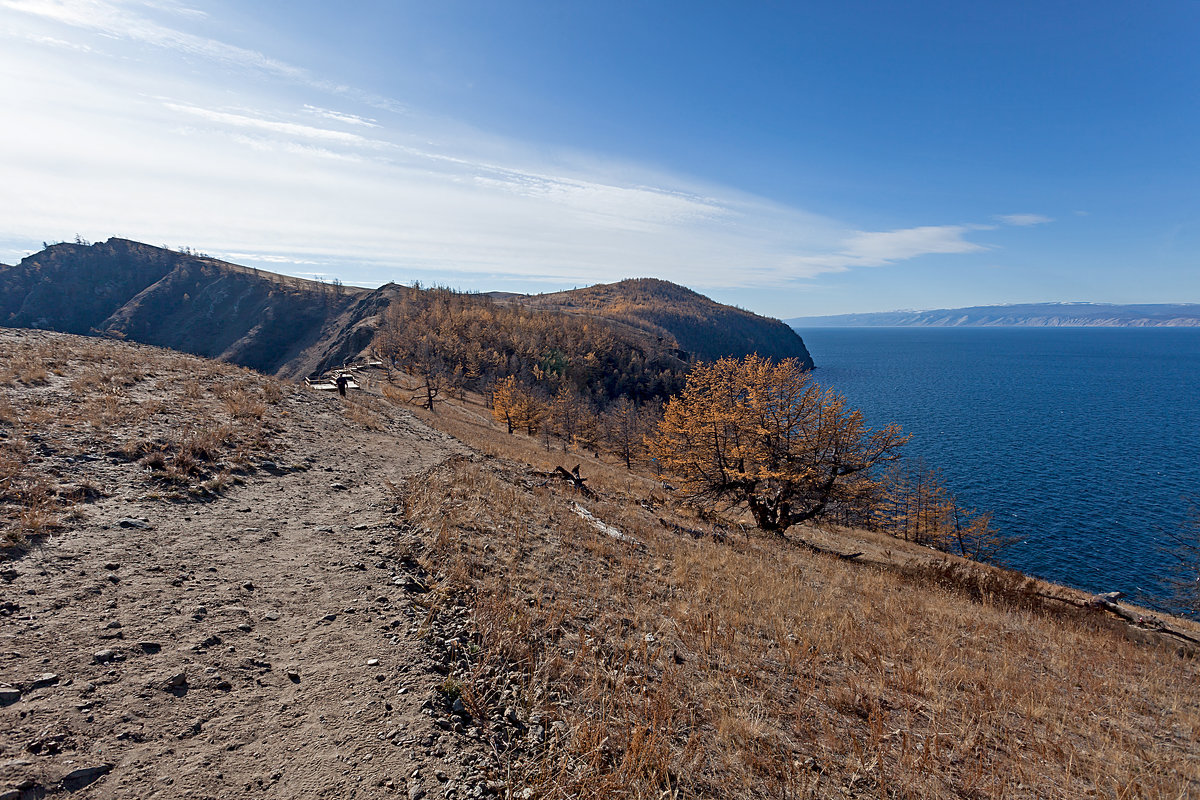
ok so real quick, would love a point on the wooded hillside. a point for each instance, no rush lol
(470, 341)
(704, 328)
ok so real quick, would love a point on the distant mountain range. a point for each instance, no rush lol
(1025, 315)
(293, 327)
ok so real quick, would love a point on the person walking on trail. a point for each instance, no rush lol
(341, 382)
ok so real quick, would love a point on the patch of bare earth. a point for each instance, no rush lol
(260, 636)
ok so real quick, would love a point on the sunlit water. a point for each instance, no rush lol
(1084, 442)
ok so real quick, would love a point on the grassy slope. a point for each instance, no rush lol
(193, 426)
(735, 665)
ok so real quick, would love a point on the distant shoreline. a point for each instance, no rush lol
(1030, 315)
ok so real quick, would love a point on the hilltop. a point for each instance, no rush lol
(235, 586)
(291, 327)
(702, 327)
(1037, 315)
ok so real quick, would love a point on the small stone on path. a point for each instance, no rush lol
(77, 779)
(45, 679)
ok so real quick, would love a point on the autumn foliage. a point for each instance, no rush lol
(758, 432)
(452, 341)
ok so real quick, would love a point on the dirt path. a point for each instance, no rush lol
(253, 646)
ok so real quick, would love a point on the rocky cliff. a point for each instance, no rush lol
(128, 290)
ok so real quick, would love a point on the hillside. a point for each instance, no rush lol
(292, 327)
(1040, 315)
(235, 586)
(700, 326)
(128, 290)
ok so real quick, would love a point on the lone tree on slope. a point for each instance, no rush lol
(761, 433)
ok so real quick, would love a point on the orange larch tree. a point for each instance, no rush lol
(761, 433)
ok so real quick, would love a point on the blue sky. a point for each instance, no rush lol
(793, 158)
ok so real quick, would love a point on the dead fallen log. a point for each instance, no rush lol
(695, 533)
(1148, 623)
(575, 479)
(1106, 602)
(605, 528)
(825, 551)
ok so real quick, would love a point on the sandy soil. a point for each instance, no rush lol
(259, 645)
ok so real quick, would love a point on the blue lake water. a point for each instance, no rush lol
(1084, 442)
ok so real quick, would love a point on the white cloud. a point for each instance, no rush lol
(1024, 220)
(880, 248)
(885, 246)
(115, 139)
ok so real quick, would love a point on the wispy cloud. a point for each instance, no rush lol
(880, 248)
(116, 20)
(116, 139)
(339, 116)
(290, 130)
(1024, 220)
(119, 19)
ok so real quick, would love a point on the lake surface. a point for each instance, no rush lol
(1083, 442)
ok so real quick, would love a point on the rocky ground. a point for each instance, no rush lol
(271, 642)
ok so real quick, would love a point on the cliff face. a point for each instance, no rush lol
(199, 305)
(74, 288)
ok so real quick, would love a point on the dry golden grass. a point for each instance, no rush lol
(734, 665)
(192, 425)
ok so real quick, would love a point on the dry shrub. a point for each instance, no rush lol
(244, 404)
(273, 392)
(8, 412)
(363, 411)
(25, 368)
(207, 444)
(28, 503)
